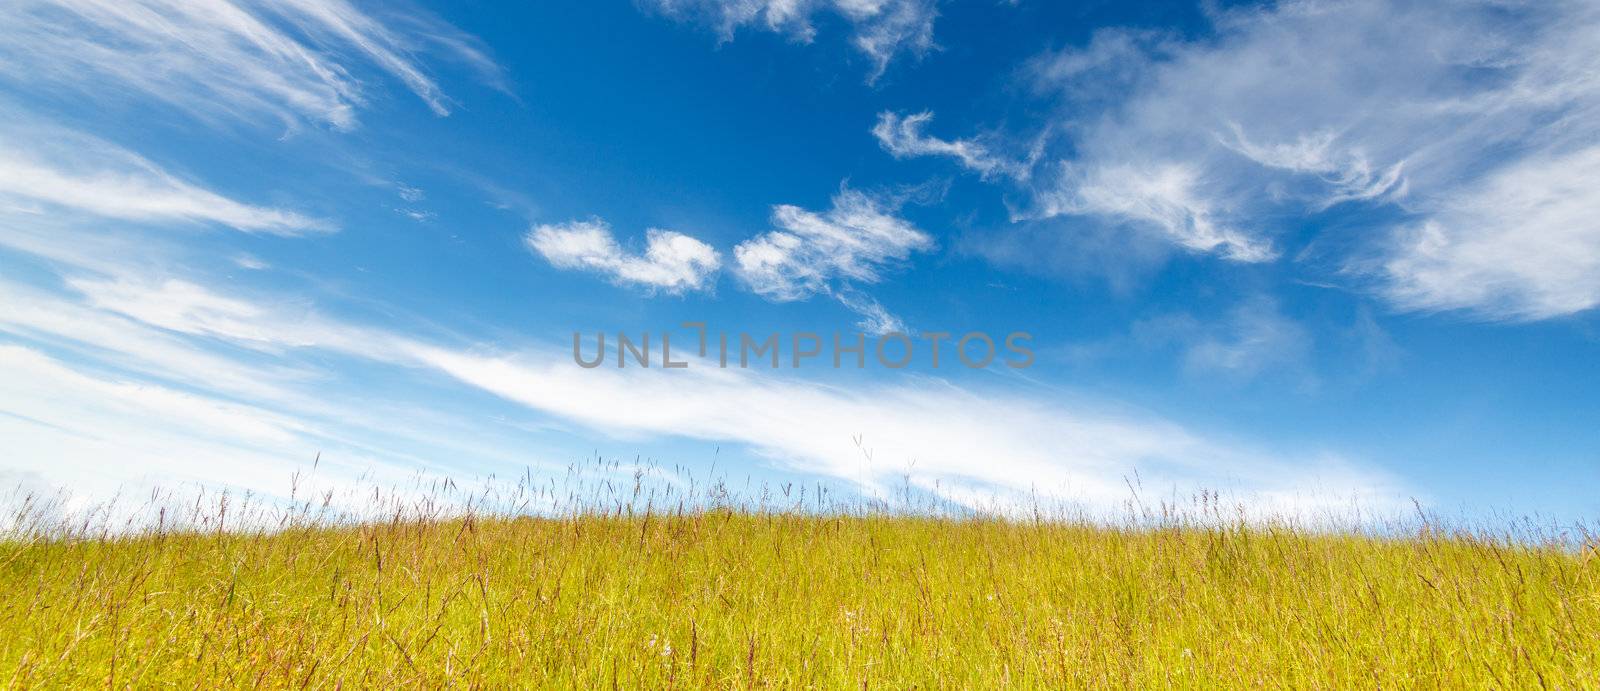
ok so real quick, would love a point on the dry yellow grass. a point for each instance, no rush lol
(737, 598)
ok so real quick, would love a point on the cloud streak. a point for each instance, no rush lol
(902, 137)
(293, 60)
(65, 170)
(968, 445)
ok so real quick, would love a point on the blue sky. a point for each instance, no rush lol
(1311, 254)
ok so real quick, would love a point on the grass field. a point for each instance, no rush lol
(766, 598)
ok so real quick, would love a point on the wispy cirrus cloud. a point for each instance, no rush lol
(1166, 197)
(902, 136)
(1522, 244)
(1348, 175)
(65, 170)
(985, 449)
(177, 383)
(1465, 131)
(671, 262)
(293, 60)
(882, 29)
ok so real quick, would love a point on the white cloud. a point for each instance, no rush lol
(1523, 244)
(409, 193)
(960, 443)
(856, 240)
(67, 170)
(875, 319)
(95, 432)
(217, 418)
(1166, 197)
(101, 435)
(284, 58)
(883, 29)
(964, 444)
(1432, 119)
(186, 307)
(672, 261)
(887, 28)
(140, 347)
(901, 136)
(1442, 111)
(99, 400)
(1012, 445)
(176, 305)
(250, 262)
(810, 253)
(1347, 172)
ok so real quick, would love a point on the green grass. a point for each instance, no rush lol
(736, 598)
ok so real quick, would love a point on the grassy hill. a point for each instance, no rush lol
(736, 598)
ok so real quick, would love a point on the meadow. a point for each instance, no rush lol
(729, 594)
